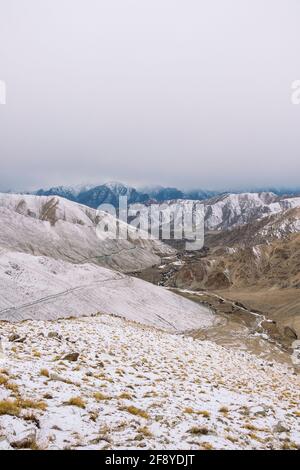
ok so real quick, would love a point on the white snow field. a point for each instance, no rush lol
(128, 386)
(61, 229)
(37, 287)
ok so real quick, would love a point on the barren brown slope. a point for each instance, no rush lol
(273, 265)
(257, 264)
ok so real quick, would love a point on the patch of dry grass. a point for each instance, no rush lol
(99, 396)
(3, 380)
(145, 431)
(44, 373)
(36, 353)
(224, 409)
(13, 387)
(135, 411)
(76, 401)
(125, 396)
(35, 405)
(9, 407)
(203, 430)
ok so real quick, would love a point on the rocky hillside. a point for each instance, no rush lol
(232, 210)
(105, 383)
(275, 264)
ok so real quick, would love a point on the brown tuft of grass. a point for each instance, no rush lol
(145, 431)
(36, 353)
(224, 409)
(207, 446)
(288, 445)
(44, 373)
(204, 413)
(3, 380)
(254, 436)
(76, 401)
(188, 410)
(35, 405)
(135, 411)
(101, 396)
(9, 407)
(199, 430)
(13, 387)
(250, 427)
(125, 396)
(232, 438)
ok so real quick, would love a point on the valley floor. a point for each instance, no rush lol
(282, 305)
(134, 386)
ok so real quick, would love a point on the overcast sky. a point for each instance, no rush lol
(188, 93)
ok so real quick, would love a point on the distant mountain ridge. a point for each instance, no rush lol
(94, 196)
(108, 193)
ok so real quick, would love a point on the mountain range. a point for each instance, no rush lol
(108, 193)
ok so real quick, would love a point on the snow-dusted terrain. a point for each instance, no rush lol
(231, 210)
(105, 383)
(43, 288)
(91, 358)
(62, 229)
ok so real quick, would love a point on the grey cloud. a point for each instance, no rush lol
(189, 93)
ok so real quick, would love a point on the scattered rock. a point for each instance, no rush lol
(56, 428)
(54, 334)
(13, 337)
(70, 340)
(259, 410)
(279, 427)
(72, 357)
(56, 377)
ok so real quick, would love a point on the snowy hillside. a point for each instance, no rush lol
(237, 209)
(62, 229)
(232, 210)
(104, 383)
(42, 288)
